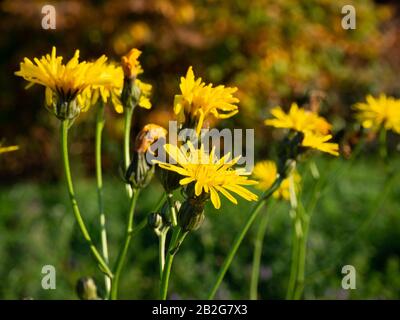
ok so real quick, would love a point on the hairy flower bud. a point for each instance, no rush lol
(191, 214)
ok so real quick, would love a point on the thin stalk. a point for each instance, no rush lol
(240, 236)
(302, 255)
(124, 250)
(168, 263)
(383, 143)
(294, 264)
(128, 112)
(172, 210)
(161, 251)
(64, 147)
(99, 180)
(258, 245)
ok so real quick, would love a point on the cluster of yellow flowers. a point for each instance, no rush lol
(80, 83)
(75, 86)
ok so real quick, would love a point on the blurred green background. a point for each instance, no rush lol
(275, 52)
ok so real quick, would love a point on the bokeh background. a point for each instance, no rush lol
(275, 52)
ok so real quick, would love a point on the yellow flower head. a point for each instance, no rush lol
(130, 63)
(376, 112)
(320, 142)
(265, 172)
(298, 119)
(65, 82)
(198, 100)
(208, 174)
(110, 92)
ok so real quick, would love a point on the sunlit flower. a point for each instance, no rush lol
(107, 93)
(376, 112)
(265, 172)
(198, 100)
(320, 142)
(209, 175)
(298, 119)
(65, 82)
(130, 63)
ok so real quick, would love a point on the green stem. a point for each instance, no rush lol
(239, 238)
(258, 244)
(302, 255)
(64, 147)
(128, 112)
(383, 143)
(161, 251)
(172, 210)
(124, 250)
(168, 263)
(99, 179)
(294, 263)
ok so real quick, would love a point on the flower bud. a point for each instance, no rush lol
(86, 289)
(191, 215)
(155, 220)
(168, 179)
(139, 173)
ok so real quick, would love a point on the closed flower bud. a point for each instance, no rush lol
(168, 179)
(191, 215)
(86, 289)
(139, 173)
(155, 220)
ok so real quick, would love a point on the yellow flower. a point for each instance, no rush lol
(198, 100)
(320, 142)
(110, 92)
(131, 64)
(8, 149)
(376, 112)
(65, 82)
(298, 119)
(265, 172)
(208, 174)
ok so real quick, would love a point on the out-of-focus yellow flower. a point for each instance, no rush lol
(265, 172)
(65, 82)
(376, 112)
(298, 119)
(145, 92)
(197, 100)
(148, 135)
(8, 149)
(130, 63)
(320, 142)
(208, 174)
